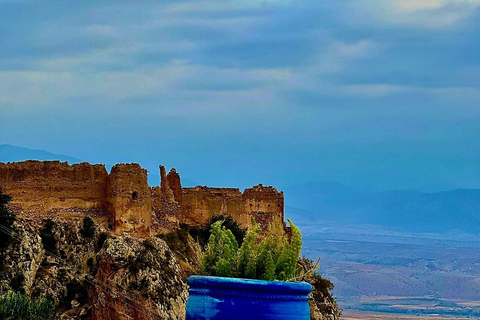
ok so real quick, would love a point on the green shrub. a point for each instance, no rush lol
(75, 291)
(175, 240)
(202, 234)
(88, 229)
(323, 299)
(48, 239)
(16, 283)
(101, 240)
(268, 257)
(90, 262)
(220, 255)
(178, 242)
(6, 220)
(17, 306)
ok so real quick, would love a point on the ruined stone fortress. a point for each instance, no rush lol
(124, 199)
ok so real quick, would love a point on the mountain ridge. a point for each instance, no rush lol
(410, 210)
(9, 153)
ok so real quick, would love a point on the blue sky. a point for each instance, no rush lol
(376, 94)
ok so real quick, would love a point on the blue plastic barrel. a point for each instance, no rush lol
(216, 298)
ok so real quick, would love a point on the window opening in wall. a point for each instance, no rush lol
(134, 195)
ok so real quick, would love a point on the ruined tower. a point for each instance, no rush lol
(129, 197)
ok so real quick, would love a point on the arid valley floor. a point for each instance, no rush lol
(385, 274)
(356, 315)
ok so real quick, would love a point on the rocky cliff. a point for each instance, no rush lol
(118, 277)
(103, 276)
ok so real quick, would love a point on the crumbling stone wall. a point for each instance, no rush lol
(43, 186)
(265, 204)
(199, 204)
(165, 213)
(125, 197)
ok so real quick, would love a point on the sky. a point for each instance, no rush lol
(373, 94)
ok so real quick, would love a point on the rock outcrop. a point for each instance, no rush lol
(138, 279)
(122, 277)
(116, 276)
(323, 305)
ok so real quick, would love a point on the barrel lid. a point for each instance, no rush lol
(221, 283)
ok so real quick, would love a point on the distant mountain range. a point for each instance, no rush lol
(10, 153)
(406, 210)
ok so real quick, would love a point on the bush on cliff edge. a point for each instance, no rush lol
(48, 239)
(18, 306)
(88, 229)
(6, 221)
(202, 234)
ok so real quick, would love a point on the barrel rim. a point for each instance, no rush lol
(276, 287)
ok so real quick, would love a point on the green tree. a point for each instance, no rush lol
(88, 229)
(219, 257)
(271, 245)
(247, 255)
(202, 234)
(287, 260)
(269, 268)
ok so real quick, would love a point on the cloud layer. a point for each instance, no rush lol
(378, 94)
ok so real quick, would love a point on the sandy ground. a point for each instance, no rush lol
(355, 315)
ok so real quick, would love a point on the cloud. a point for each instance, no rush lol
(290, 79)
(424, 13)
(442, 96)
(409, 6)
(187, 88)
(99, 30)
(339, 55)
(221, 6)
(33, 89)
(373, 90)
(37, 89)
